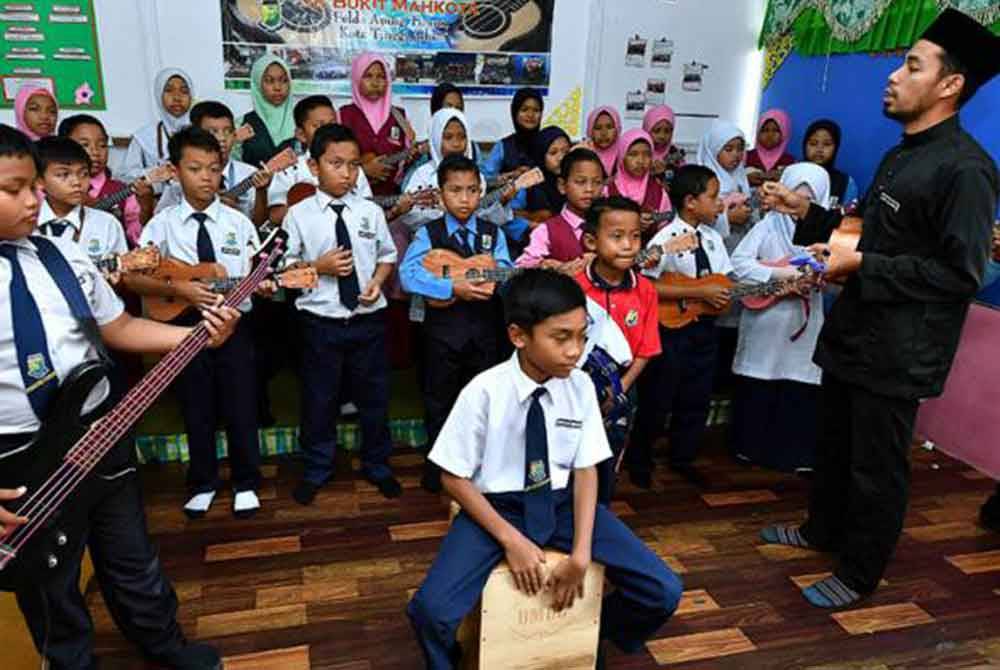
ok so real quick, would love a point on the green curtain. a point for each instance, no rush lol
(821, 27)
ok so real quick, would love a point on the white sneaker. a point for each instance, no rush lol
(348, 409)
(197, 506)
(245, 504)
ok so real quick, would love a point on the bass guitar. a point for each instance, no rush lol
(213, 276)
(157, 175)
(57, 464)
(683, 311)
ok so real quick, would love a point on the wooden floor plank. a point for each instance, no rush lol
(419, 531)
(877, 619)
(698, 600)
(700, 646)
(291, 658)
(271, 546)
(739, 498)
(939, 532)
(782, 552)
(974, 564)
(279, 596)
(251, 621)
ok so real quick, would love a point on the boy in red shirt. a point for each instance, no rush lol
(622, 308)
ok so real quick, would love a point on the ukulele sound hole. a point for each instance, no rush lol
(488, 22)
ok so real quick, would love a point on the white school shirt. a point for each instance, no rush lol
(175, 232)
(764, 349)
(102, 234)
(144, 153)
(234, 172)
(425, 177)
(483, 438)
(311, 227)
(68, 345)
(684, 262)
(282, 183)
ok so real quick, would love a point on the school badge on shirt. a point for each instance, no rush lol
(94, 246)
(632, 318)
(366, 232)
(231, 246)
(37, 369)
(536, 472)
(487, 241)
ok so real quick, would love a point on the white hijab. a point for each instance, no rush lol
(170, 122)
(818, 181)
(718, 136)
(439, 122)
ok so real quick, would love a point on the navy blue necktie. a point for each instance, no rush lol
(347, 286)
(40, 380)
(462, 234)
(55, 228)
(206, 250)
(701, 265)
(539, 510)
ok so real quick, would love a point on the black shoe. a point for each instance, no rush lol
(642, 479)
(692, 474)
(431, 479)
(305, 492)
(387, 486)
(192, 656)
(989, 515)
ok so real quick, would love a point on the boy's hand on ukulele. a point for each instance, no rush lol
(376, 170)
(371, 294)
(336, 263)
(196, 293)
(716, 296)
(220, 322)
(262, 180)
(566, 582)
(780, 198)
(526, 561)
(142, 188)
(471, 291)
(8, 519)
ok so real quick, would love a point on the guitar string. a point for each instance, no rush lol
(61, 483)
(515, 5)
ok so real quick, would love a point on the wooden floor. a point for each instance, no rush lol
(325, 586)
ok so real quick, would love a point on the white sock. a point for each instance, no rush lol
(246, 501)
(200, 502)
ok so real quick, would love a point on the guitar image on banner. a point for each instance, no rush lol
(57, 464)
(494, 25)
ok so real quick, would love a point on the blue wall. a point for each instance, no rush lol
(853, 98)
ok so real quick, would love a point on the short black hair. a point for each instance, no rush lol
(597, 209)
(192, 136)
(689, 180)
(452, 164)
(534, 295)
(60, 150)
(951, 64)
(210, 109)
(71, 123)
(331, 133)
(15, 144)
(306, 105)
(580, 155)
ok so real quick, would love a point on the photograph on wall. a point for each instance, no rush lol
(663, 53)
(693, 76)
(488, 48)
(635, 51)
(52, 44)
(635, 104)
(656, 91)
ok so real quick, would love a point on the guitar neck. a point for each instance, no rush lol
(240, 188)
(106, 432)
(492, 198)
(109, 264)
(772, 287)
(114, 199)
(386, 201)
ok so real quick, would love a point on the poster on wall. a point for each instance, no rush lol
(487, 47)
(52, 44)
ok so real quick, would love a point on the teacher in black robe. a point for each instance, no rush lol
(892, 334)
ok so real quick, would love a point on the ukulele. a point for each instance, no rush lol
(394, 159)
(141, 259)
(482, 268)
(278, 162)
(677, 313)
(811, 272)
(213, 276)
(157, 175)
(532, 177)
(422, 197)
(650, 255)
(57, 463)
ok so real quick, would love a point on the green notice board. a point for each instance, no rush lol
(52, 43)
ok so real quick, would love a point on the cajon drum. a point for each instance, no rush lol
(509, 630)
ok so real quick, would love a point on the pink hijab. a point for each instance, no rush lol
(610, 155)
(770, 157)
(653, 117)
(21, 103)
(628, 185)
(378, 112)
